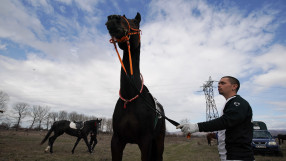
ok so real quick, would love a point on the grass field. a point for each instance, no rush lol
(25, 146)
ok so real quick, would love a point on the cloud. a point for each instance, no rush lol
(272, 66)
(2, 46)
(186, 46)
(73, 67)
(60, 85)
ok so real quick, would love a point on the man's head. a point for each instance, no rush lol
(228, 86)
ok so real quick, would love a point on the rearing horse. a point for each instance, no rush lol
(133, 120)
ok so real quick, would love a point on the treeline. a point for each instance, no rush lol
(37, 117)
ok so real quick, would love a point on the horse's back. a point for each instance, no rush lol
(281, 136)
(61, 125)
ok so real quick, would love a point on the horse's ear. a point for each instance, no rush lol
(138, 17)
(124, 16)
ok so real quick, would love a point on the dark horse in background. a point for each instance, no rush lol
(211, 136)
(133, 120)
(281, 137)
(70, 128)
(93, 139)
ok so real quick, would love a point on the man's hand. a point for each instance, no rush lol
(188, 128)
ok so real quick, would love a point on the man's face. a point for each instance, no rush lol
(225, 87)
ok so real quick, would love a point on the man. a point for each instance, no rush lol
(236, 129)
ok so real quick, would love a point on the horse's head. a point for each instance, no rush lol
(98, 123)
(122, 29)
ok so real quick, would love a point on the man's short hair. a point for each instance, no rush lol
(233, 81)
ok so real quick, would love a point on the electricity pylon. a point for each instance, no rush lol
(211, 110)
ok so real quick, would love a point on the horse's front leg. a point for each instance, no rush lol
(77, 141)
(145, 147)
(87, 144)
(117, 147)
(92, 142)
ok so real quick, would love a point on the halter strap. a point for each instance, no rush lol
(132, 99)
(126, 39)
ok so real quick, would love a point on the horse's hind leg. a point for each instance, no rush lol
(75, 144)
(53, 138)
(51, 142)
(117, 147)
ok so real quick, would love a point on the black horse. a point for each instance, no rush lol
(281, 137)
(211, 136)
(71, 128)
(134, 119)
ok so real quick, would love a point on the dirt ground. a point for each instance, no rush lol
(25, 146)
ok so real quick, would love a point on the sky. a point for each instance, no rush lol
(56, 53)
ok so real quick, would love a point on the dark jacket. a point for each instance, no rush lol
(236, 120)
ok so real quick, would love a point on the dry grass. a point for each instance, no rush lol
(24, 146)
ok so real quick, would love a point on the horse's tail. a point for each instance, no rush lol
(48, 134)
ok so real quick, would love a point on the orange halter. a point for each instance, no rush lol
(126, 39)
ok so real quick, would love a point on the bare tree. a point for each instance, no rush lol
(42, 114)
(91, 118)
(82, 117)
(48, 120)
(54, 116)
(4, 98)
(63, 115)
(73, 116)
(103, 124)
(34, 115)
(109, 126)
(22, 109)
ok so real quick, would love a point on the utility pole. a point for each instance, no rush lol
(211, 110)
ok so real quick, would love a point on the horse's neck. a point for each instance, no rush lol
(87, 128)
(126, 89)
